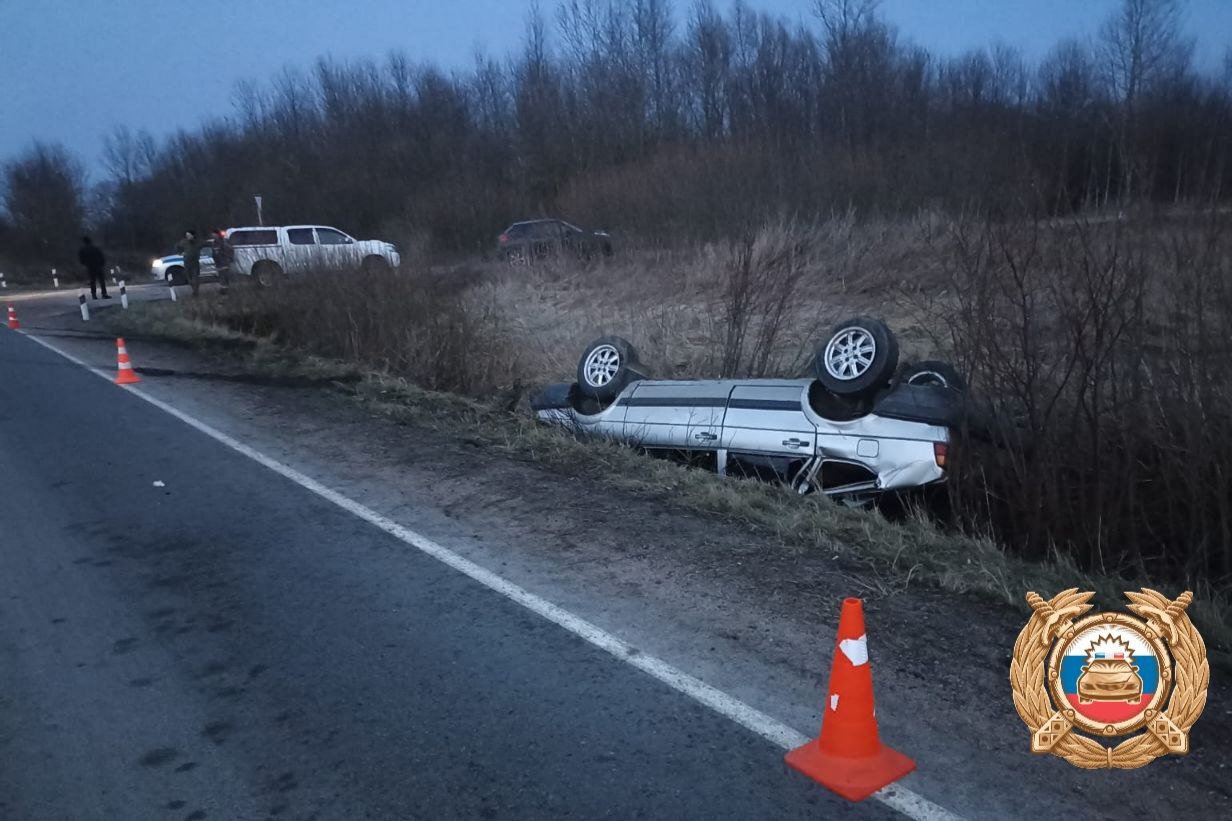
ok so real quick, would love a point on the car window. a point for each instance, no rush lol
(329, 236)
(517, 231)
(300, 236)
(546, 230)
(267, 236)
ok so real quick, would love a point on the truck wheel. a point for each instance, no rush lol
(606, 366)
(858, 358)
(175, 276)
(375, 265)
(265, 273)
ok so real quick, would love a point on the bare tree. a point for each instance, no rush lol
(1141, 46)
(44, 192)
(708, 58)
(844, 19)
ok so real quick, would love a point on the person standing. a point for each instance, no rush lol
(223, 257)
(190, 246)
(91, 256)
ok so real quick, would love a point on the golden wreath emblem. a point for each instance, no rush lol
(1108, 675)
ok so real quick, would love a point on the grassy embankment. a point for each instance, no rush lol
(455, 349)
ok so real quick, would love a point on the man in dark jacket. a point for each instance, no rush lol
(223, 257)
(191, 247)
(92, 258)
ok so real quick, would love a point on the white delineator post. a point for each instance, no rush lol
(85, 309)
(55, 278)
(113, 276)
(171, 288)
(123, 296)
(3, 284)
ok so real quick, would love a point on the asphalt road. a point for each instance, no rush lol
(186, 634)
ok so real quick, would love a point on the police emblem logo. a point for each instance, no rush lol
(1078, 679)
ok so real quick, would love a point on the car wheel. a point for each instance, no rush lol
(175, 276)
(933, 374)
(266, 274)
(607, 365)
(376, 265)
(859, 357)
(517, 257)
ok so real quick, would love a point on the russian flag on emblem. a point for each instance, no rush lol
(1109, 674)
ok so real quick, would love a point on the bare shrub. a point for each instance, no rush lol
(759, 291)
(1097, 351)
(438, 332)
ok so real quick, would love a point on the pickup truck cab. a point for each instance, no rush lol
(269, 253)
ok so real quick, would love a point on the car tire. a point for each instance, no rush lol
(859, 357)
(266, 274)
(518, 257)
(606, 366)
(175, 276)
(931, 373)
(376, 265)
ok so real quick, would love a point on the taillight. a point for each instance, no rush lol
(940, 451)
(503, 239)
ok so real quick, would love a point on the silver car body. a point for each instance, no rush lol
(771, 420)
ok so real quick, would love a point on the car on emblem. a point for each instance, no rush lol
(859, 426)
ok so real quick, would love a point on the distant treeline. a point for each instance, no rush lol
(617, 115)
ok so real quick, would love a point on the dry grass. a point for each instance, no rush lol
(895, 554)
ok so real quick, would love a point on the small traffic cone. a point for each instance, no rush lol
(14, 323)
(849, 757)
(125, 375)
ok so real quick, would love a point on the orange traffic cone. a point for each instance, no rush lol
(125, 375)
(14, 323)
(849, 757)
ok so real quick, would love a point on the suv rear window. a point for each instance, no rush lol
(262, 237)
(300, 236)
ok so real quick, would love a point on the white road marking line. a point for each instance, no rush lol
(895, 796)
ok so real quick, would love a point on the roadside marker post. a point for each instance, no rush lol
(3, 284)
(55, 278)
(123, 296)
(171, 288)
(14, 324)
(85, 308)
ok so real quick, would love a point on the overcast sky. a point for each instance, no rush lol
(72, 70)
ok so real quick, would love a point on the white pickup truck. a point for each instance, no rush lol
(268, 253)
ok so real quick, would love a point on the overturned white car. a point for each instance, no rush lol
(861, 426)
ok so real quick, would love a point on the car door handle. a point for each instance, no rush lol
(795, 443)
(705, 436)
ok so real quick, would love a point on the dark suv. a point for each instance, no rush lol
(536, 239)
